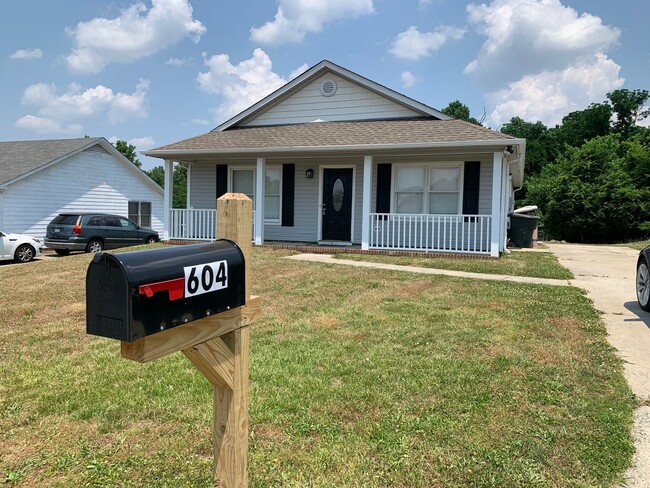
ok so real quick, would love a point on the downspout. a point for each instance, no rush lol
(515, 190)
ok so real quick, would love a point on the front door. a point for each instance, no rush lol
(337, 204)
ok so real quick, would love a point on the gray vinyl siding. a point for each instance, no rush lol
(350, 102)
(306, 198)
(90, 181)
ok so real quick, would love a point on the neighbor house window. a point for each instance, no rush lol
(427, 189)
(242, 180)
(140, 213)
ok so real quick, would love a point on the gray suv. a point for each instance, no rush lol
(93, 232)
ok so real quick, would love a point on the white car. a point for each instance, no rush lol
(18, 247)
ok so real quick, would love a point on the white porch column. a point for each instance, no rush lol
(259, 201)
(168, 197)
(497, 181)
(188, 186)
(365, 215)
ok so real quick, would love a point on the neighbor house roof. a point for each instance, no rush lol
(20, 157)
(357, 135)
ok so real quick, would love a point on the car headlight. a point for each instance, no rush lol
(36, 240)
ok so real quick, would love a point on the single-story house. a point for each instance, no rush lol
(40, 179)
(335, 158)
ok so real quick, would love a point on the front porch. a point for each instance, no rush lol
(456, 234)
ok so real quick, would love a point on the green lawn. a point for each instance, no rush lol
(534, 264)
(637, 245)
(359, 377)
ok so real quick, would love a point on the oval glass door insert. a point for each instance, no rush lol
(338, 192)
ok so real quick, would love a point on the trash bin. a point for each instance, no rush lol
(522, 228)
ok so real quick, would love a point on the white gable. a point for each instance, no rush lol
(350, 101)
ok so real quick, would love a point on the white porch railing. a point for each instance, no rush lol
(417, 232)
(195, 224)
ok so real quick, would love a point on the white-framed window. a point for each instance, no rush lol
(242, 180)
(428, 188)
(140, 213)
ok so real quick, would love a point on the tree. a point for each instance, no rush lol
(459, 110)
(180, 183)
(129, 151)
(588, 195)
(583, 125)
(541, 145)
(628, 106)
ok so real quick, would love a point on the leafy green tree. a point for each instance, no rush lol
(459, 110)
(583, 125)
(180, 183)
(541, 145)
(129, 151)
(628, 106)
(588, 195)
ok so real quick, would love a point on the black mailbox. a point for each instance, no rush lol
(134, 294)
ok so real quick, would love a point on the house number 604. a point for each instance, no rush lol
(205, 278)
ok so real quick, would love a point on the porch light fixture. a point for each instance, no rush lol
(309, 174)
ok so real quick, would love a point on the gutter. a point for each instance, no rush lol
(348, 147)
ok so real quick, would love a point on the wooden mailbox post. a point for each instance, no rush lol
(219, 347)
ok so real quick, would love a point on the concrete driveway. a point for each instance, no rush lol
(607, 273)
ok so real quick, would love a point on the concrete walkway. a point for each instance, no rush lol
(326, 258)
(607, 273)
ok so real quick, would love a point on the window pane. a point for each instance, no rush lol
(272, 181)
(443, 203)
(272, 207)
(145, 214)
(409, 203)
(243, 182)
(444, 179)
(410, 179)
(133, 210)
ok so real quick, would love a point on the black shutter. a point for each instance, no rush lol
(383, 187)
(288, 193)
(222, 179)
(471, 184)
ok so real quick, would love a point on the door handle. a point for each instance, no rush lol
(324, 209)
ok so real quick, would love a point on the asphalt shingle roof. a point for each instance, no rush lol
(323, 134)
(20, 157)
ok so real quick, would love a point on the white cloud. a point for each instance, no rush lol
(139, 142)
(408, 79)
(27, 54)
(645, 122)
(298, 71)
(296, 18)
(413, 44)
(44, 125)
(201, 121)
(60, 113)
(550, 95)
(240, 85)
(178, 61)
(136, 33)
(529, 36)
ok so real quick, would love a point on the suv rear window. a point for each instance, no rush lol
(65, 219)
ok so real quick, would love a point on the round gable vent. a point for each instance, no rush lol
(328, 88)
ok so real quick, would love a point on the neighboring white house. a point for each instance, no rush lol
(40, 179)
(340, 159)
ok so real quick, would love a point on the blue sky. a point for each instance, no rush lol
(156, 71)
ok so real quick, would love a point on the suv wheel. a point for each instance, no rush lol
(95, 245)
(151, 240)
